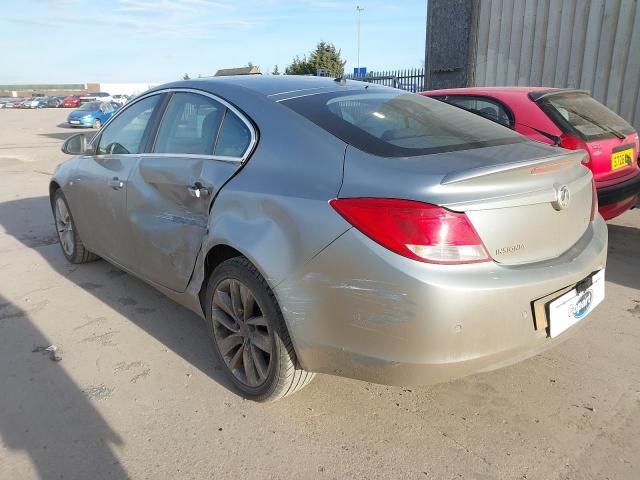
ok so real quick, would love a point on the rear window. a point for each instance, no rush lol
(90, 106)
(579, 113)
(392, 123)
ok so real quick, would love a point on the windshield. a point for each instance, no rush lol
(585, 116)
(392, 123)
(91, 106)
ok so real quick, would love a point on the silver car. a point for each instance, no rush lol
(322, 225)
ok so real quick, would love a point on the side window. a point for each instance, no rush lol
(234, 138)
(484, 107)
(190, 125)
(124, 134)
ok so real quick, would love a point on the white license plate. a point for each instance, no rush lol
(572, 307)
(74, 122)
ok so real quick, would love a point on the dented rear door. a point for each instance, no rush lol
(171, 191)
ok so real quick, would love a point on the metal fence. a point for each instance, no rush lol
(411, 79)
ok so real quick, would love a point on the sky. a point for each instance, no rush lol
(77, 41)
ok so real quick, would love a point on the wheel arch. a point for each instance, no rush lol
(54, 186)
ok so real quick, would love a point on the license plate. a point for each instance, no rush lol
(74, 122)
(622, 158)
(572, 307)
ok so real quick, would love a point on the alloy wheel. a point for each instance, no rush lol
(242, 333)
(64, 226)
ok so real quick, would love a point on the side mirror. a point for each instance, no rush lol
(76, 145)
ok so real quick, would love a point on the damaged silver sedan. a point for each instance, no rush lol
(338, 227)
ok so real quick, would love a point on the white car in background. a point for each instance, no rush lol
(95, 96)
(120, 98)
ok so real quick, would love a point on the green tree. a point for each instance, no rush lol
(325, 55)
(276, 71)
(300, 66)
(186, 77)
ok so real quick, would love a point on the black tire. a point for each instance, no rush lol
(70, 241)
(97, 124)
(283, 375)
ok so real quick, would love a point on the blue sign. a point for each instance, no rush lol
(360, 72)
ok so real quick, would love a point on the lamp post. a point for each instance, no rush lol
(359, 9)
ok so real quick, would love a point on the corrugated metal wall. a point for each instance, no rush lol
(590, 44)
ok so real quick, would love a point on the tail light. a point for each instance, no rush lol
(574, 143)
(415, 230)
(594, 200)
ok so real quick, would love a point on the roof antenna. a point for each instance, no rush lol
(341, 80)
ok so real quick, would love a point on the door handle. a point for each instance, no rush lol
(115, 183)
(198, 191)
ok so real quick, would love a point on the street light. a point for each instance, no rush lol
(359, 9)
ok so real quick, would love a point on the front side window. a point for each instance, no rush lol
(124, 135)
(190, 125)
(391, 123)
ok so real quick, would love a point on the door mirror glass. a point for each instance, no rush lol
(75, 145)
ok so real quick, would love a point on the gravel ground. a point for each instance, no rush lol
(137, 392)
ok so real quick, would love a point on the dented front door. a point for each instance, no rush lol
(168, 202)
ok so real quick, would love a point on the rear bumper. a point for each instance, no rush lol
(619, 192)
(361, 311)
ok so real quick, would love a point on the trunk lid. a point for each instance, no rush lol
(613, 160)
(514, 195)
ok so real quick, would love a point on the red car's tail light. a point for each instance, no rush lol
(574, 143)
(594, 200)
(416, 230)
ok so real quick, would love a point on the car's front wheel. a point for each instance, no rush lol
(70, 241)
(97, 124)
(249, 334)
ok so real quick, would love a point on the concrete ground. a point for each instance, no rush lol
(137, 393)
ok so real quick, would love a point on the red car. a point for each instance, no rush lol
(72, 101)
(571, 119)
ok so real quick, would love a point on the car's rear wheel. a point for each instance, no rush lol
(70, 241)
(249, 334)
(97, 124)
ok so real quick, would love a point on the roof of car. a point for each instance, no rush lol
(468, 90)
(277, 87)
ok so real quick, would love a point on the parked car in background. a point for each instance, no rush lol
(41, 102)
(55, 102)
(416, 243)
(90, 97)
(26, 103)
(72, 101)
(119, 98)
(92, 114)
(571, 119)
(17, 103)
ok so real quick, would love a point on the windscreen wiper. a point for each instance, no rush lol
(618, 134)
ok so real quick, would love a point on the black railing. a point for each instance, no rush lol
(411, 79)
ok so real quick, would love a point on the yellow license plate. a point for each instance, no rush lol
(621, 159)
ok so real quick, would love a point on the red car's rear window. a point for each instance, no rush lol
(578, 113)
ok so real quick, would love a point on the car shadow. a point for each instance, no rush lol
(43, 413)
(61, 135)
(623, 261)
(29, 220)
